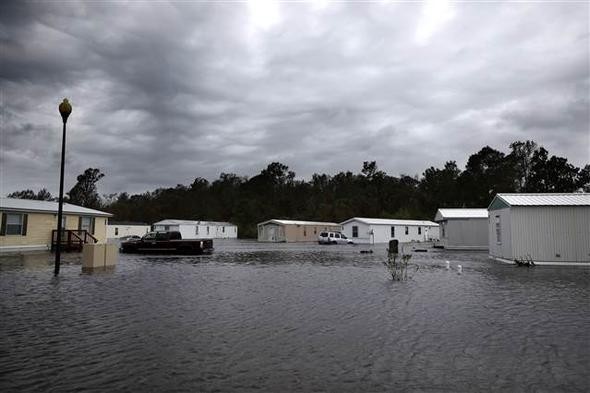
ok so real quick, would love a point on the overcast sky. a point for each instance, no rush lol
(166, 92)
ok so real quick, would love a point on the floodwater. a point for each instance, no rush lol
(280, 318)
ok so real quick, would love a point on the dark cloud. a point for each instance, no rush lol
(165, 92)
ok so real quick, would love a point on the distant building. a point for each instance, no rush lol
(381, 230)
(198, 229)
(118, 229)
(293, 231)
(463, 229)
(547, 228)
(30, 224)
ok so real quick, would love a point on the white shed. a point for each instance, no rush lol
(552, 229)
(381, 230)
(198, 229)
(463, 229)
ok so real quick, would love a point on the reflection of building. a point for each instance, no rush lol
(463, 229)
(198, 229)
(117, 229)
(30, 224)
(381, 230)
(547, 228)
(293, 230)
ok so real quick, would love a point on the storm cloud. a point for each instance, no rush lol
(166, 92)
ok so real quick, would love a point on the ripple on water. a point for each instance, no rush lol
(265, 317)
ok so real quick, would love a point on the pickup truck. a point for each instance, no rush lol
(167, 243)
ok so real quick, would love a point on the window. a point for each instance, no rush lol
(196, 229)
(331, 234)
(355, 231)
(315, 230)
(498, 230)
(223, 229)
(15, 224)
(207, 230)
(407, 230)
(304, 231)
(116, 231)
(337, 235)
(166, 227)
(443, 229)
(419, 230)
(342, 235)
(392, 232)
(86, 223)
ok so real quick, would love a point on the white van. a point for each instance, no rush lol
(333, 238)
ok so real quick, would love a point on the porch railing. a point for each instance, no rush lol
(72, 239)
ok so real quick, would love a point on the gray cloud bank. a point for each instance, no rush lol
(165, 92)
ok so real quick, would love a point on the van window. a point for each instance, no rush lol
(324, 234)
(343, 236)
(331, 234)
(337, 235)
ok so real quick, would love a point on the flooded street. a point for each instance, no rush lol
(293, 317)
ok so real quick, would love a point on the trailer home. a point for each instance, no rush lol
(293, 231)
(382, 230)
(199, 229)
(32, 225)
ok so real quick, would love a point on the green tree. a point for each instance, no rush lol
(84, 192)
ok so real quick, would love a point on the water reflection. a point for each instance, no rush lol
(264, 317)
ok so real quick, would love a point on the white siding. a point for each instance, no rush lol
(544, 232)
(466, 234)
(501, 249)
(382, 233)
(116, 231)
(363, 232)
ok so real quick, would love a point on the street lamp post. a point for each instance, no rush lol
(64, 109)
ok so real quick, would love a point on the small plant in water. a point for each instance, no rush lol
(398, 266)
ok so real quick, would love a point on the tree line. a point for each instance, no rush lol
(276, 193)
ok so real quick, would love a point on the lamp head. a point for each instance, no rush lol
(65, 109)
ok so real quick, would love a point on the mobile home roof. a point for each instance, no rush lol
(387, 221)
(34, 206)
(297, 222)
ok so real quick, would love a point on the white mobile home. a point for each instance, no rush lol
(290, 231)
(463, 229)
(198, 229)
(118, 229)
(547, 228)
(380, 230)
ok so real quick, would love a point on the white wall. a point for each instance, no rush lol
(544, 232)
(126, 230)
(363, 232)
(466, 234)
(214, 232)
(502, 249)
(382, 233)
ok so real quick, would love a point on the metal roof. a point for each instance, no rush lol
(445, 213)
(545, 199)
(297, 222)
(192, 222)
(387, 221)
(32, 205)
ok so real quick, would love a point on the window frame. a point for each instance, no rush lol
(20, 224)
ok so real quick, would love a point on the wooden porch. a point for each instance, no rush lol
(72, 239)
